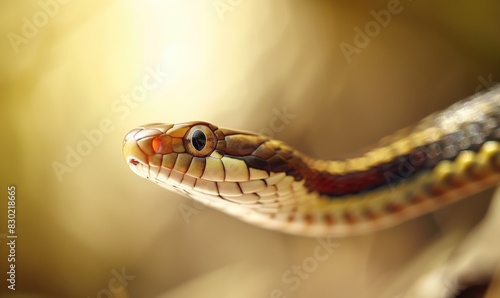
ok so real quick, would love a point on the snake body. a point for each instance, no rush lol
(445, 157)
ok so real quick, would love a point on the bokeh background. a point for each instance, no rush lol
(70, 69)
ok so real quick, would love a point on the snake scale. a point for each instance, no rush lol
(445, 157)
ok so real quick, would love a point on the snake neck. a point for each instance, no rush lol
(397, 158)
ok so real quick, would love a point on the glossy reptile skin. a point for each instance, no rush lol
(445, 157)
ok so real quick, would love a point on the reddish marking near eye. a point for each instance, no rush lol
(134, 162)
(156, 144)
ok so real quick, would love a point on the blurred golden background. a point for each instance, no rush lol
(78, 75)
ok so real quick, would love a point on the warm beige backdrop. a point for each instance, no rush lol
(69, 68)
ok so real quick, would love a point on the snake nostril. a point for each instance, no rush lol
(134, 162)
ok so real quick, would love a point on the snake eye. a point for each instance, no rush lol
(200, 141)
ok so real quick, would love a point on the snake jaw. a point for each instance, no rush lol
(137, 148)
(135, 158)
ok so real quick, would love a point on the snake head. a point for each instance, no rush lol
(201, 160)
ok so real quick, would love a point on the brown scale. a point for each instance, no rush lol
(309, 218)
(440, 188)
(370, 214)
(458, 182)
(495, 162)
(242, 145)
(395, 208)
(329, 220)
(417, 199)
(349, 218)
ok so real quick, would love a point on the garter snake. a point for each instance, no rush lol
(445, 157)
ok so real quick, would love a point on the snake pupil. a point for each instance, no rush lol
(199, 140)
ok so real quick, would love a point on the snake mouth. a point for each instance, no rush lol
(137, 148)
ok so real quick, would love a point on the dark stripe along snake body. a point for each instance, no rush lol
(445, 157)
